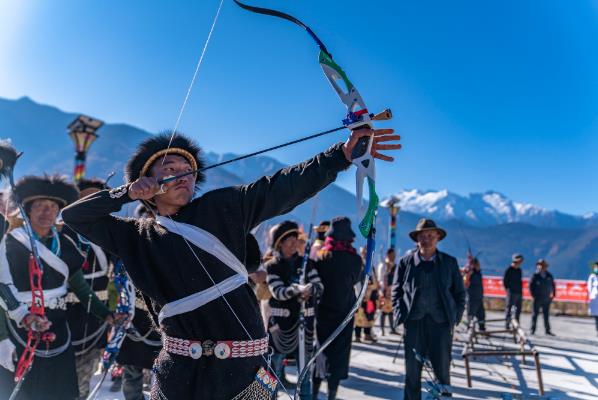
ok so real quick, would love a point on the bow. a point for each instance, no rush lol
(358, 117)
(432, 385)
(126, 305)
(8, 159)
(302, 279)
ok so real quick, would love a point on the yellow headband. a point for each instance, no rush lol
(172, 150)
(287, 233)
(41, 196)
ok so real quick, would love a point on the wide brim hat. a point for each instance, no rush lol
(340, 229)
(426, 224)
(51, 187)
(542, 262)
(282, 231)
(322, 227)
(517, 257)
(155, 148)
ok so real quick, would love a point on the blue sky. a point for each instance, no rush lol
(500, 95)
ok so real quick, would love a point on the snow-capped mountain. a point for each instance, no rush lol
(489, 208)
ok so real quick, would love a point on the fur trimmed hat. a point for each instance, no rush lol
(51, 187)
(88, 183)
(282, 231)
(156, 147)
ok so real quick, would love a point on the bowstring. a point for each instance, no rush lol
(193, 79)
(222, 296)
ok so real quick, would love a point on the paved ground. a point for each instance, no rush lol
(569, 367)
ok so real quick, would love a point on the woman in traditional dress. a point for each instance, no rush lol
(53, 374)
(339, 268)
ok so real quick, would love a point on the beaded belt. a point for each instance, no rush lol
(222, 349)
(55, 303)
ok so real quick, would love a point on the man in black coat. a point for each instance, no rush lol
(475, 294)
(429, 298)
(514, 287)
(543, 290)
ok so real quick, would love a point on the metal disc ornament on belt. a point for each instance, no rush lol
(222, 351)
(195, 350)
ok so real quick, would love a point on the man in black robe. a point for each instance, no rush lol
(88, 333)
(53, 373)
(186, 259)
(429, 298)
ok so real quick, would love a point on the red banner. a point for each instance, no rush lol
(566, 290)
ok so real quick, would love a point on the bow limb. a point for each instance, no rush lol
(357, 117)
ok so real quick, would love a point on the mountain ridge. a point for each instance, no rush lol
(567, 242)
(487, 208)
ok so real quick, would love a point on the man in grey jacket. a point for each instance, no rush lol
(429, 298)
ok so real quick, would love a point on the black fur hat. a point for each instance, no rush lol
(8, 158)
(54, 187)
(87, 183)
(155, 148)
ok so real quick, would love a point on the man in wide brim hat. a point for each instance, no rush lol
(428, 297)
(320, 231)
(425, 225)
(542, 287)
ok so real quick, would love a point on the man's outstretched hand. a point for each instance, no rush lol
(144, 188)
(384, 139)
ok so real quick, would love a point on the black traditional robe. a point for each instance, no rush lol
(87, 331)
(143, 343)
(285, 305)
(165, 269)
(339, 271)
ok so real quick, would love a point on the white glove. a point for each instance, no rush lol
(7, 354)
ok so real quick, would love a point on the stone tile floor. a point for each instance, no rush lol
(569, 367)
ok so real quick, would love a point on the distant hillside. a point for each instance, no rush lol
(500, 226)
